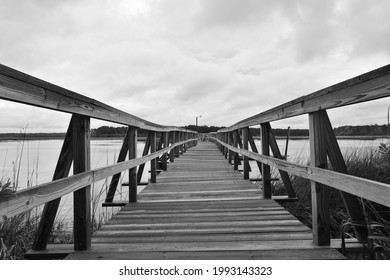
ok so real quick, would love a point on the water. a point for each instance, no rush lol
(31, 163)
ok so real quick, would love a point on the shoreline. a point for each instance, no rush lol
(32, 137)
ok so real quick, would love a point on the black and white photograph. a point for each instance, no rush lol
(194, 139)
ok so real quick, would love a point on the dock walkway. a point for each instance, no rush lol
(202, 209)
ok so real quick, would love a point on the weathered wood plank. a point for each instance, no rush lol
(265, 168)
(320, 194)
(115, 179)
(212, 255)
(200, 215)
(82, 197)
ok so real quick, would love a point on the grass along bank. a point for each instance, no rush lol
(367, 163)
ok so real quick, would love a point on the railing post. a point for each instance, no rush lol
(172, 151)
(320, 193)
(153, 161)
(165, 156)
(235, 144)
(82, 197)
(177, 139)
(245, 134)
(225, 140)
(230, 142)
(265, 169)
(185, 137)
(132, 132)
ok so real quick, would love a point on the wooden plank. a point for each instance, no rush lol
(165, 137)
(303, 254)
(369, 86)
(50, 210)
(153, 173)
(82, 197)
(254, 149)
(210, 246)
(245, 135)
(144, 153)
(22, 88)
(284, 175)
(320, 194)
(368, 189)
(115, 179)
(265, 168)
(52, 252)
(30, 198)
(132, 138)
(215, 237)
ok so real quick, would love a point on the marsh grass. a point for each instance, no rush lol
(373, 164)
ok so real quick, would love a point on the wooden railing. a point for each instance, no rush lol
(323, 145)
(22, 88)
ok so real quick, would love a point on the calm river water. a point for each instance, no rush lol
(33, 162)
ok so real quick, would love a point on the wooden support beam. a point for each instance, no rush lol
(235, 156)
(132, 131)
(115, 179)
(153, 173)
(320, 193)
(165, 138)
(254, 149)
(265, 169)
(336, 159)
(177, 149)
(245, 133)
(144, 153)
(231, 142)
(276, 152)
(172, 151)
(50, 209)
(82, 197)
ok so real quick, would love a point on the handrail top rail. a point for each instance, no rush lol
(22, 88)
(369, 86)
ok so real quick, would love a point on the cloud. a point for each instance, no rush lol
(170, 60)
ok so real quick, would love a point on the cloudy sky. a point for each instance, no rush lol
(169, 61)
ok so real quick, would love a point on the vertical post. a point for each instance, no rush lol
(165, 156)
(172, 151)
(177, 139)
(180, 139)
(245, 142)
(235, 144)
(226, 141)
(185, 137)
(319, 193)
(265, 169)
(153, 161)
(82, 197)
(230, 142)
(132, 134)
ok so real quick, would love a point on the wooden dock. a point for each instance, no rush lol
(202, 209)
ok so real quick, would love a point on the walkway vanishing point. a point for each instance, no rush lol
(200, 206)
(203, 209)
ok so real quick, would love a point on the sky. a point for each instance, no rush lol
(169, 61)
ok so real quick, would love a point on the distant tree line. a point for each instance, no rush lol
(347, 130)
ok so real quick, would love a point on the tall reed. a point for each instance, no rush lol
(367, 163)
